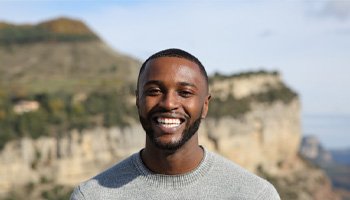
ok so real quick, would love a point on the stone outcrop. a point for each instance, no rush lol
(67, 160)
(259, 138)
(264, 140)
(243, 86)
(312, 150)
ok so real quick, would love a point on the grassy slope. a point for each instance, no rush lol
(59, 54)
(49, 67)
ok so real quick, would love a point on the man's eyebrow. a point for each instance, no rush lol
(187, 84)
(156, 82)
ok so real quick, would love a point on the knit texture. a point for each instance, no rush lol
(215, 178)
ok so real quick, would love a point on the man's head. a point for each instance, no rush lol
(172, 97)
(177, 53)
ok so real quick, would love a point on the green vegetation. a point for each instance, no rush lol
(237, 107)
(59, 113)
(229, 107)
(59, 30)
(66, 67)
(30, 34)
(40, 191)
(218, 76)
(58, 192)
(283, 93)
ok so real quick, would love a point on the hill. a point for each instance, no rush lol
(57, 30)
(65, 75)
(60, 54)
(334, 162)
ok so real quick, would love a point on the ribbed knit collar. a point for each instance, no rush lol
(173, 181)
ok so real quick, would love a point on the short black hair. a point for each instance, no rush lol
(174, 52)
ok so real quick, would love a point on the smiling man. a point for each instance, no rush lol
(172, 98)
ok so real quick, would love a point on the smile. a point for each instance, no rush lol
(168, 122)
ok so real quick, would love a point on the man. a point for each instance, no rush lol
(172, 97)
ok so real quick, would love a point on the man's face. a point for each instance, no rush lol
(172, 98)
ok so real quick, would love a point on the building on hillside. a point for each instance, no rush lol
(25, 106)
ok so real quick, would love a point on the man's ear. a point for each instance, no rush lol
(206, 106)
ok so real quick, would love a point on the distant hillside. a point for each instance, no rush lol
(312, 149)
(61, 54)
(72, 78)
(57, 30)
(335, 163)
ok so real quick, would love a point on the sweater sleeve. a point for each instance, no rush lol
(77, 194)
(268, 193)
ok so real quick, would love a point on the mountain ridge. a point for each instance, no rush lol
(55, 30)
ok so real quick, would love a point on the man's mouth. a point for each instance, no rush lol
(168, 122)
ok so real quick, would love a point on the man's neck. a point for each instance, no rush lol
(181, 161)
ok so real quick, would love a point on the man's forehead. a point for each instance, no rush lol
(168, 65)
(171, 64)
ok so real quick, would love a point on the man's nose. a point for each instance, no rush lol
(170, 101)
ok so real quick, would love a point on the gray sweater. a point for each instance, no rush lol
(215, 178)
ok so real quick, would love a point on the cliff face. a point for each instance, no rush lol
(264, 139)
(67, 160)
(267, 135)
(253, 142)
(244, 85)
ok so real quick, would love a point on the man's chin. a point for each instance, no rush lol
(168, 146)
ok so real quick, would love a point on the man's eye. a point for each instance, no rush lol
(185, 93)
(153, 92)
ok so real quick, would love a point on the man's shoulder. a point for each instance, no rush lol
(242, 180)
(120, 170)
(114, 177)
(231, 168)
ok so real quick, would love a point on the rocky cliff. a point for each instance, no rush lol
(263, 138)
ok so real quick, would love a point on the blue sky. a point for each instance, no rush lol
(308, 42)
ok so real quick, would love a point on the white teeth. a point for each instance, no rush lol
(170, 125)
(169, 122)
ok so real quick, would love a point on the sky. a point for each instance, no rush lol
(307, 41)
